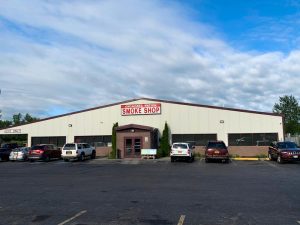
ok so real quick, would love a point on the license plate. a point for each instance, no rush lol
(217, 152)
(179, 151)
(69, 152)
(295, 156)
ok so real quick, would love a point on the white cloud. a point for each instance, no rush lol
(65, 56)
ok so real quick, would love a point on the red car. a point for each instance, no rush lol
(216, 150)
(284, 151)
(44, 152)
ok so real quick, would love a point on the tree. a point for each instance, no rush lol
(288, 106)
(29, 119)
(165, 142)
(113, 153)
(17, 119)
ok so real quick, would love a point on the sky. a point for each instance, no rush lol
(62, 56)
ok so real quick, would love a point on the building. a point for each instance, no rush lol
(141, 122)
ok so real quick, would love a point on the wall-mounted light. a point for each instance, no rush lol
(132, 130)
(70, 125)
(221, 121)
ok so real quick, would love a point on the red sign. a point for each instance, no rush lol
(141, 109)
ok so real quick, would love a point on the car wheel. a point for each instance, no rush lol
(81, 157)
(172, 159)
(47, 159)
(206, 160)
(190, 160)
(93, 156)
(279, 159)
(270, 157)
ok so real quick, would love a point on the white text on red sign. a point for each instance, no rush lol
(141, 109)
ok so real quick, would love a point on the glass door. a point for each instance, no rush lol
(133, 147)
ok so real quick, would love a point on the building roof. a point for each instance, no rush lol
(154, 100)
(134, 126)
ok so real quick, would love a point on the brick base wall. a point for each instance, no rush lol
(103, 151)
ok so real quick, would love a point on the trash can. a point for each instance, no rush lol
(118, 154)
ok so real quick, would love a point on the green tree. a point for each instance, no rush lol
(5, 123)
(29, 119)
(17, 119)
(288, 106)
(164, 149)
(113, 153)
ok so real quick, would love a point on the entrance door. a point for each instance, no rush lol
(133, 147)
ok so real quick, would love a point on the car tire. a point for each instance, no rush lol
(93, 156)
(190, 160)
(206, 160)
(279, 159)
(47, 159)
(172, 159)
(270, 157)
(81, 157)
(66, 160)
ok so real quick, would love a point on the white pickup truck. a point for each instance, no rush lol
(77, 151)
(182, 150)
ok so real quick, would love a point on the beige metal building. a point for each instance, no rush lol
(141, 122)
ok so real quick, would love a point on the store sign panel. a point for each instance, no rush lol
(141, 109)
(12, 131)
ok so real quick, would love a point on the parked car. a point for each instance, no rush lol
(6, 149)
(284, 151)
(182, 150)
(44, 152)
(19, 154)
(216, 150)
(77, 151)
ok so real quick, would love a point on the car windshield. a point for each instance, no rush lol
(180, 146)
(69, 147)
(37, 147)
(287, 145)
(216, 145)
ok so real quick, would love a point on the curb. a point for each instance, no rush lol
(250, 159)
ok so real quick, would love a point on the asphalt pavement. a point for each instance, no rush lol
(150, 192)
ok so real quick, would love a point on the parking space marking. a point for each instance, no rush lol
(72, 218)
(270, 164)
(181, 220)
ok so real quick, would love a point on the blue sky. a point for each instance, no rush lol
(61, 56)
(263, 26)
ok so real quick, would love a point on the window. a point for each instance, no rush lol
(194, 139)
(93, 140)
(251, 139)
(57, 141)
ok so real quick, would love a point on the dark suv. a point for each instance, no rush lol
(44, 152)
(216, 150)
(6, 149)
(284, 151)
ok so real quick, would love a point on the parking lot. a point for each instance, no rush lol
(149, 192)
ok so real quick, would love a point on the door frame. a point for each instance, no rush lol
(133, 155)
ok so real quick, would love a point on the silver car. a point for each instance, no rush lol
(19, 154)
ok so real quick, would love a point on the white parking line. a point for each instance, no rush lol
(270, 164)
(181, 220)
(72, 218)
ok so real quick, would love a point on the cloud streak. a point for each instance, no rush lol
(58, 56)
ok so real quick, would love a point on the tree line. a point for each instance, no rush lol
(17, 119)
(289, 107)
